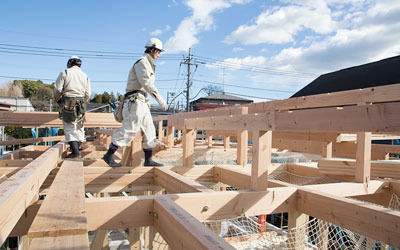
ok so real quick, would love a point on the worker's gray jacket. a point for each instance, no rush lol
(142, 77)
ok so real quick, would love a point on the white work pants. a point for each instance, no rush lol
(74, 131)
(136, 117)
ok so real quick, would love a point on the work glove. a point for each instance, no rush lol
(162, 104)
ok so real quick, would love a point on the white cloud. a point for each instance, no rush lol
(279, 25)
(174, 3)
(185, 36)
(158, 32)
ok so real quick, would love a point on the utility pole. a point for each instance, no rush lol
(188, 61)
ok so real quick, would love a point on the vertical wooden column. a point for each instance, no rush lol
(227, 140)
(209, 141)
(160, 130)
(241, 155)
(170, 136)
(261, 158)
(136, 153)
(327, 149)
(108, 140)
(188, 147)
(296, 238)
(179, 134)
(363, 158)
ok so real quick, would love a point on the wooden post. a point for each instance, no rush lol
(241, 157)
(363, 158)
(261, 158)
(179, 134)
(170, 136)
(296, 238)
(327, 149)
(160, 130)
(136, 154)
(209, 141)
(188, 147)
(227, 140)
(134, 238)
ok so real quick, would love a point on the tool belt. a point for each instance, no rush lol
(72, 109)
(128, 94)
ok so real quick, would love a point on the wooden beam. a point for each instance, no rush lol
(363, 158)
(50, 119)
(14, 163)
(78, 242)
(188, 147)
(367, 219)
(175, 183)
(170, 136)
(32, 140)
(16, 193)
(181, 230)
(262, 142)
(341, 166)
(63, 211)
(119, 212)
(375, 118)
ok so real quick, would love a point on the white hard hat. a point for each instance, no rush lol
(154, 43)
(74, 57)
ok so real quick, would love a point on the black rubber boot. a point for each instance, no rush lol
(74, 150)
(148, 161)
(109, 156)
(79, 145)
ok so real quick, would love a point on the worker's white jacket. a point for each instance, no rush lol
(73, 82)
(136, 113)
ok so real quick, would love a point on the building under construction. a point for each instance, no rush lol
(299, 173)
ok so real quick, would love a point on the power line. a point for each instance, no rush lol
(236, 86)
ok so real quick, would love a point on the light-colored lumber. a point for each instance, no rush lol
(366, 219)
(14, 163)
(50, 119)
(363, 158)
(73, 242)
(63, 210)
(170, 136)
(16, 193)
(175, 183)
(100, 240)
(32, 140)
(370, 118)
(262, 142)
(188, 147)
(181, 230)
(386, 93)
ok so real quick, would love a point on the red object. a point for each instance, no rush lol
(203, 106)
(262, 220)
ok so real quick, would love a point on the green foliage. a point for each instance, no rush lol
(106, 97)
(18, 132)
(38, 92)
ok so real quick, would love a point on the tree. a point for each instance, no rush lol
(12, 90)
(213, 90)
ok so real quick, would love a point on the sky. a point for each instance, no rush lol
(258, 50)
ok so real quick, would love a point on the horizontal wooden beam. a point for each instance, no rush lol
(181, 230)
(32, 140)
(339, 166)
(63, 211)
(80, 242)
(369, 118)
(386, 93)
(175, 183)
(366, 219)
(50, 119)
(16, 193)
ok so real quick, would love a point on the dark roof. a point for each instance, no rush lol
(383, 72)
(225, 97)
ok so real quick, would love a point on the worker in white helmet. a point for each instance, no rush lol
(72, 91)
(136, 111)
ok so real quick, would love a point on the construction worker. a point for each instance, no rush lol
(136, 112)
(72, 91)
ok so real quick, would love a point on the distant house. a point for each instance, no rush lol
(383, 72)
(18, 103)
(5, 106)
(217, 101)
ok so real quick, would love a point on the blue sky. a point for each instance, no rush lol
(254, 49)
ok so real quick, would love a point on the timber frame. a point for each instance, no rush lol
(338, 127)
